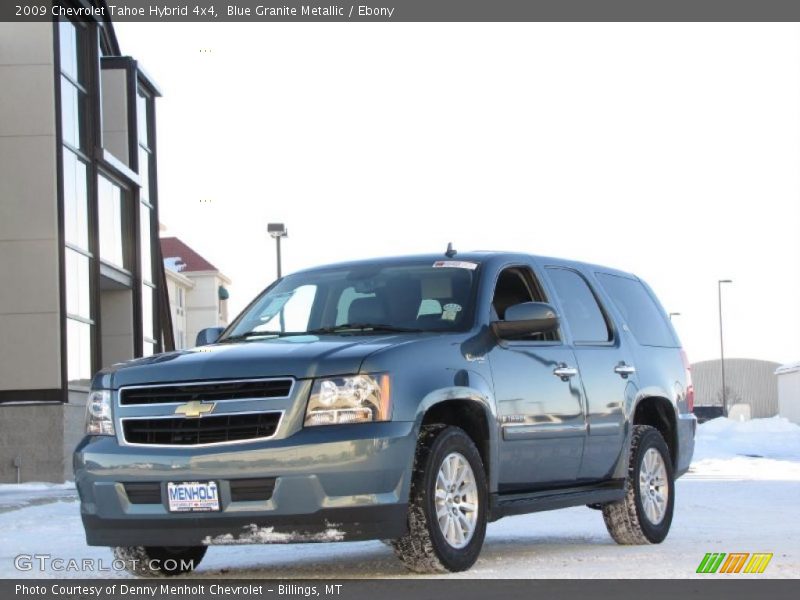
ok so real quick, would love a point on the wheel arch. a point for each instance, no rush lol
(658, 412)
(473, 414)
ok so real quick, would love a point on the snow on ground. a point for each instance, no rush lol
(754, 450)
(14, 496)
(741, 495)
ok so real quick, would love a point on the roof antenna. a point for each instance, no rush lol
(450, 252)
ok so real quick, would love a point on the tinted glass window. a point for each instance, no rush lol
(419, 297)
(516, 285)
(288, 312)
(644, 317)
(583, 314)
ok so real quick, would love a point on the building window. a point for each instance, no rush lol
(146, 221)
(148, 319)
(79, 352)
(73, 85)
(78, 254)
(145, 226)
(112, 222)
(78, 290)
(76, 209)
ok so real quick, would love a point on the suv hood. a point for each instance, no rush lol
(300, 357)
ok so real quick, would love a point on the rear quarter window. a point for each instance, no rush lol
(639, 310)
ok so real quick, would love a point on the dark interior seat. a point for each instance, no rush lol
(366, 310)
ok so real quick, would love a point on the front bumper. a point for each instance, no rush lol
(332, 483)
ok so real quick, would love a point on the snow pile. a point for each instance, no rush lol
(268, 535)
(756, 449)
(36, 486)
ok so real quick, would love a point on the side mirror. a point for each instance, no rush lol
(208, 335)
(525, 319)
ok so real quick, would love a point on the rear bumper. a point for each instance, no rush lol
(346, 482)
(687, 427)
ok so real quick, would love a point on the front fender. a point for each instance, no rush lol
(479, 392)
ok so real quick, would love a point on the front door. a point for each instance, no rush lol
(539, 398)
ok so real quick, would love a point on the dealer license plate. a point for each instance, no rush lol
(193, 496)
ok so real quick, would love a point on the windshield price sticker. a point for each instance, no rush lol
(455, 264)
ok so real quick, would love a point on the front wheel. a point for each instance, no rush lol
(447, 511)
(159, 561)
(644, 515)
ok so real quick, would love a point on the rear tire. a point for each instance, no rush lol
(159, 561)
(447, 509)
(644, 515)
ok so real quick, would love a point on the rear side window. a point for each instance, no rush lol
(644, 317)
(583, 313)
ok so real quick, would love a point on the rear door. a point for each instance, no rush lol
(606, 369)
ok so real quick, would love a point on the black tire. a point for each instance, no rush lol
(626, 519)
(160, 561)
(424, 549)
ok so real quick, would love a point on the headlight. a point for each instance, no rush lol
(98, 413)
(356, 399)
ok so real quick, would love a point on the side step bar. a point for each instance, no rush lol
(505, 505)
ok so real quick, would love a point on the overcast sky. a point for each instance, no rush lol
(668, 150)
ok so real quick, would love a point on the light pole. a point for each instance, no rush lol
(277, 231)
(674, 315)
(722, 345)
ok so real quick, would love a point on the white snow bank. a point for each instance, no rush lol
(776, 438)
(759, 449)
(267, 535)
(36, 486)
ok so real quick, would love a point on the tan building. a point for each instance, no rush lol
(748, 381)
(83, 280)
(198, 291)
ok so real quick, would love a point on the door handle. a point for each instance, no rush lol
(624, 370)
(564, 371)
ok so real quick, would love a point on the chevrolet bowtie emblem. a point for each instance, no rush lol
(195, 409)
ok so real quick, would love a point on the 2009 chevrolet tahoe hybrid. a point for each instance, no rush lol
(408, 399)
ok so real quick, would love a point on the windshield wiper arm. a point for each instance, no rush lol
(363, 327)
(252, 334)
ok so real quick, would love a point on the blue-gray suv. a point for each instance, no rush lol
(409, 399)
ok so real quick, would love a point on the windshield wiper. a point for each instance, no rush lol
(252, 334)
(381, 327)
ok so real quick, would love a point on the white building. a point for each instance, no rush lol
(789, 391)
(198, 292)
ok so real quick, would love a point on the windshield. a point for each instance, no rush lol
(363, 299)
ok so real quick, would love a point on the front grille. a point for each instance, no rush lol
(252, 489)
(223, 390)
(143, 493)
(179, 431)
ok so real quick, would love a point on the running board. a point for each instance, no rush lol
(505, 505)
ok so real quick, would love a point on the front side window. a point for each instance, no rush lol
(363, 299)
(581, 310)
(516, 285)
